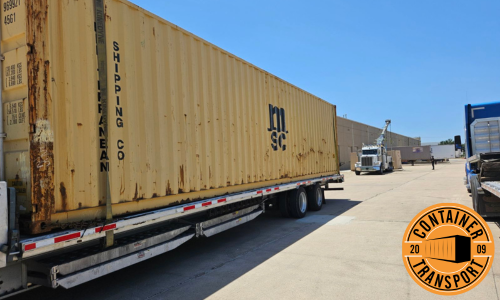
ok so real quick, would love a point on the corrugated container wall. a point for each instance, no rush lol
(187, 120)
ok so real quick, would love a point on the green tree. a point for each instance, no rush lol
(447, 142)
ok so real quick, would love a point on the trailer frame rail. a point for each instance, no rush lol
(35, 246)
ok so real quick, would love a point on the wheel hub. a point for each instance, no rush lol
(303, 202)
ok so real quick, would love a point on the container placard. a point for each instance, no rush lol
(16, 119)
(14, 69)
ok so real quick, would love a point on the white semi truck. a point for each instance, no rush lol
(374, 158)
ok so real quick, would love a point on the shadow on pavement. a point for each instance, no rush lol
(202, 266)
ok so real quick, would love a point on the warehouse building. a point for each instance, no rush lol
(352, 136)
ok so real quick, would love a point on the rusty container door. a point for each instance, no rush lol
(187, 120)
(18, 122)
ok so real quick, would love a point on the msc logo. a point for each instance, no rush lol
(278, 128)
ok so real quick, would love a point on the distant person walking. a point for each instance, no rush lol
(432, 162)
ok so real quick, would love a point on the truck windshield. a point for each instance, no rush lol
(370, 152)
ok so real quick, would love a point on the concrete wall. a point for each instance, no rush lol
(353, 134)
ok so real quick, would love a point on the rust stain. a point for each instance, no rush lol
(122, 189)
(41, 145)
(79, 124)
(136, 192)
(169, 190)
(64, 196)
(181, 178)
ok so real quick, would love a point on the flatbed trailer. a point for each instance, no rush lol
(484, 180)
(70, 258)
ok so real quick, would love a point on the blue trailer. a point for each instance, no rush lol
(482, 148)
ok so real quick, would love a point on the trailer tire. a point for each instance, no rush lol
(473, 194)
(315, 197)
(297, 203)
(477, 199)
(358, 173)
(283, 204)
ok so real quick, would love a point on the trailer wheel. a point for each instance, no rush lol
(315, 197)
(358, 173)
(283, 204)
(297, 203)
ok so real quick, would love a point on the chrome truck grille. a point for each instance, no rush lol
(366, 161)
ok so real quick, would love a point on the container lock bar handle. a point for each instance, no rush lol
(100, 19)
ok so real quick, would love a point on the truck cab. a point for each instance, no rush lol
(373, 159)
(482, 136)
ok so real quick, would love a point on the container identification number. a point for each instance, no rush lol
(11, 4)
(7, 6)
(9, 19)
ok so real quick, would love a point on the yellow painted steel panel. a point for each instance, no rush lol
(187, 120)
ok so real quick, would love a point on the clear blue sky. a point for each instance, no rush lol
(415, 62)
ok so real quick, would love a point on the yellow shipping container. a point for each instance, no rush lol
(186, 119)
